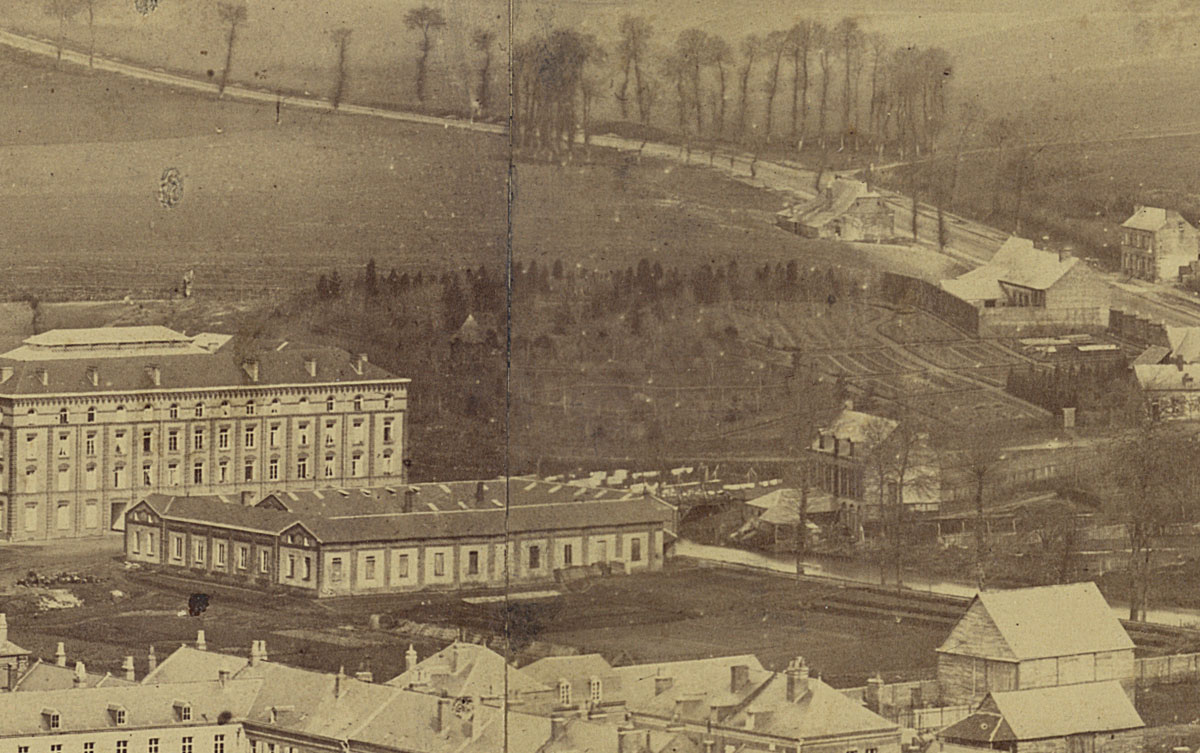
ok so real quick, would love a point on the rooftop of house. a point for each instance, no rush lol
(1029, 624)
(782, 506)
(468, 669)
(1153, 219)
(837, 199)
(186, 663)
(1016, 263)
(1167, 376)
(395, 525)
(94, 708)
(858, 427)
(690, 688)
(108, 359)
(42, 675)
(1042, 713)
(311, 702)
(1184, 343)
(819, 711)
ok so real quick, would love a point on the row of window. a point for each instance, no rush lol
(198, 410)
(595, 691)
(219, 551)
(153, 744)
(249, 438)
(173, 478)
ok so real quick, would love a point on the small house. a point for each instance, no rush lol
(1095, 717)
(846, 210)
(1156, 243)
(1016, 640)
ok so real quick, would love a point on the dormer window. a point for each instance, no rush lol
(564, 693)
(62, 415)
(183, 711)
(53, 719)
(595, 690)
(118, 714)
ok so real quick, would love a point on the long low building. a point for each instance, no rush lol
(457, 535)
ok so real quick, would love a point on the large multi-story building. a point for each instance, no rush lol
(93, 420)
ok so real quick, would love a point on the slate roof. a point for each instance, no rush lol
(859, 427)
(82, 709)
(467, 669)
(1152, 356)
(221, 511)
(44, 675)
(186, 368)
(107, 336)
(782, 506)
(1168, 376)
(1184, 342)
(1017, 262)
(1030, 622)
(186, 664)
(700, 683)
(8, 648)
(1153, 219)
(1041, 713)
(821, 712)
(307, 701)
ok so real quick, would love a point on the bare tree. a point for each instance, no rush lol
(850, 41)
(632, 50)
(751, 47)
(800, 39)
(692, 52)
(427, 20)
(234, 15)
(719, 55)
(90, 5)
(483, 40)
(775, 46)
(62, 11)
(341, 39)
(1152, 469)
(824, 43)
(879, 45)
(976, 453)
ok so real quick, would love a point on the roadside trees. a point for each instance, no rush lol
(427, 20)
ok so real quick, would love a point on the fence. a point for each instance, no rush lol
(1163, 670)
(910, 291)
(1136, 328)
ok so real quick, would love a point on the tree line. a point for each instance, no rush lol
(836, 86)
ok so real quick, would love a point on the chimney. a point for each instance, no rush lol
(262, 649)
(410, 659)
(739, 677)
(874, 692)
(359, 363)
(255, 654)
(127, 668)
(250, 365)
(6, 373)
(558, 728)
(797, 679)
(43, 377)
(3, 627)
(662, 683)
(80, 675)
(60, 655)
(93, 375)
(151, 661)
(155, 375)
(201, 644)
(441, 720)
(410, 495)
(339, 682)
(708, 745)
(247, 498)
(14, 676)
(633, 740)
(223, 677)
(310, 365)
(479, 493)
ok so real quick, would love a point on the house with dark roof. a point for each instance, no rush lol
(14, 660)
(1096, 717)
(1014, 640)
(1026, 289)
(91, 420)
(1156, 243)
(465, 535)
(846, 210)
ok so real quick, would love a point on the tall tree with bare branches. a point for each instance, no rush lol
(62, 11)
(427, 20)
(482, 41)
(632, 51)
(233, 15)
(751, 47)
(341, 39)
(800, 39)
(775, 46)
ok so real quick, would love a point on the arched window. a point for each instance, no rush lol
(329, 404)
(199, 410)
(62, 415)
(173, 411)
(358, 403)
(91, 414)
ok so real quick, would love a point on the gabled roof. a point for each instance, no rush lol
(47, 676)
(1017, 262)
(467, 669)
(1167, 376)
(1152, 356)
(1030, 624)
(859, 427)
(782, 506)
(1184, 342)
(217, 511)
(82, 709)
(820, 712)
(317, 703)
(187, 664)
(697, 683)
(838, 198)
(1042, 713)
(8, 648)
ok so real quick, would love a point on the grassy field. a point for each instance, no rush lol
(676, 614)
